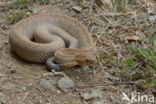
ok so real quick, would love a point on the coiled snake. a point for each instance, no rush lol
(57, 40)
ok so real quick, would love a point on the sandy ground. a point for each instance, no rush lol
(22, 82)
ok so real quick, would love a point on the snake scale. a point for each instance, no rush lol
(57, 40)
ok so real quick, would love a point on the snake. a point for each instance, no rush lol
(59, 41)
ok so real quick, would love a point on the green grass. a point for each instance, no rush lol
(20, 4)
(43, 1)
(16, 15)
(147, 55)
(141, 64)
(19, 10)
(151, 83)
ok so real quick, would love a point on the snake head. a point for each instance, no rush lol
(88, 59)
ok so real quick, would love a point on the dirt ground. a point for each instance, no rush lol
(22, 82)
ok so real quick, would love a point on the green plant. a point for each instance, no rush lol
(149, 56)
(152, 41)
(151, 83)
(24, 1)
(18, 10)
(128, 62)
(16, 15)
(43, 1)
(119, 5)
(20, 4)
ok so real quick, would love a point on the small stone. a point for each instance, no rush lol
(77, 78)
(46, 84)
(58, 92)
(13, 71)
(4, 27)
(94, 94)
(152, 18)
(20, 89)
(24, 88)
(8, 66)
(86, 96)
(6, 42)
(3, 98)
(77, 9)
(65, 84)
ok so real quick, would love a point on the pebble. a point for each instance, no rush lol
(152, 18)
(65, 84)
(46, 84)
(3, 99)
(13, 71)
(94, 94)
(4, 27)
(20, 89)
(77, 9)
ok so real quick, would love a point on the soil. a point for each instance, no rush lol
(21, 81)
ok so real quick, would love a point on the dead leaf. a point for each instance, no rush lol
(132, 38)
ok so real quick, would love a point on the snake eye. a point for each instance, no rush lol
(85, 59)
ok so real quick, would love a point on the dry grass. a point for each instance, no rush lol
(134, 60)
(129, 62)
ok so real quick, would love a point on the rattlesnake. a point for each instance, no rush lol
(45, 38)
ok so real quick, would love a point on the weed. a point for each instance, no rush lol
(151, 83)
(19, 10)
(20, 4)
(43, 1)
(147, 55)
(16, 15)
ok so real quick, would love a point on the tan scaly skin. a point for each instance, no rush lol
(57, 40)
